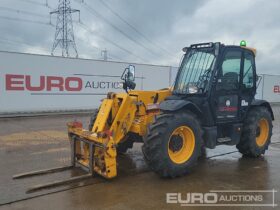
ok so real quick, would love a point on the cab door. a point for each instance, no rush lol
(248, 82)
(227, 91)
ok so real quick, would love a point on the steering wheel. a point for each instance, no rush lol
(203, 80)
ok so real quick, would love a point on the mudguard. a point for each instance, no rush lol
(175, 105)
(258, 102)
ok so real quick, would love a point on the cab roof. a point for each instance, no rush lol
(211, 44)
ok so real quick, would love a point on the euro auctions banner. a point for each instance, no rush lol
(36, 83)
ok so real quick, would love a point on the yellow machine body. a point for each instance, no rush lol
(118, 115)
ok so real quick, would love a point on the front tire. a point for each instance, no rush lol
(257, 132)
(173, 143)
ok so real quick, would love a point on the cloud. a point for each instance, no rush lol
(168, 26)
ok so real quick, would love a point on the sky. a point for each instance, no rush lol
(145, 31)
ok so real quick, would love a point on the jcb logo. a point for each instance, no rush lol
(46, 83)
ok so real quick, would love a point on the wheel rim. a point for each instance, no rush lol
(181, 144)
(262, 132)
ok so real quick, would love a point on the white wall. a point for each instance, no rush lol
(271, 88)
(40, 69)
(16, 96)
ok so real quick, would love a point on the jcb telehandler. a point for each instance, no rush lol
(211, 103)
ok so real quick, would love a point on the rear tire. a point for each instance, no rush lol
(173, 143)
(256, 134)
(121, 147)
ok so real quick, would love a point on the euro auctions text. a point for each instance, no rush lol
(224, 198)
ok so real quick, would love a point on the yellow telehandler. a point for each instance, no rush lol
(211, 103)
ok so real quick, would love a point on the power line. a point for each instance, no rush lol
(25, 20)
(23, 12)
(96, 14)
(16, 43)
(114, 57)
(48, 24)
(64, 34)
(133, 27)
(34, 2)
(94, 33)
(99, 49)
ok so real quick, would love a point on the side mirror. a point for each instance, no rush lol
(129, 76)
(129, 73)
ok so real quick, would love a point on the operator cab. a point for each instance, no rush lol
(220, 79)
(205, 63)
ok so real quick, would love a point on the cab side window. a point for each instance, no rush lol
(248, 74)
(230, 71)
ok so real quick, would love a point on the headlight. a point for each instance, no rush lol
(192, 89)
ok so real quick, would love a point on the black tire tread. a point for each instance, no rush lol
(247, 145)
(152, 144)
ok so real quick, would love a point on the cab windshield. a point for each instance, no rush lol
(195, 71)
